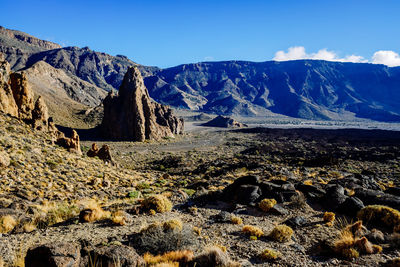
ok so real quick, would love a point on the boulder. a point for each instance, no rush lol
(132, 115)
(334, 197)
(92, 152)
(54, 255)
(351, 206)
(375, 197)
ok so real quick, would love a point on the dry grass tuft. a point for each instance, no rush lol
(329, 218)
(119, 218)
(181, 257)
(236, 220)
(173, 224)
(380, 214)
(252, 230)
(158, 203)
(92, 212)
(267, 204)
(270, 255)
(281, 233)
(350, 246)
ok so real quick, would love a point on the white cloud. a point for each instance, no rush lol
(209, 58)
(299, 52)
(389, 58)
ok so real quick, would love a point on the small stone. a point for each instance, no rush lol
(279, 209)
(297, 221)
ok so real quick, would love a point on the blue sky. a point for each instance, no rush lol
(168, 33)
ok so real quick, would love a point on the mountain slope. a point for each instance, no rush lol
(310, 89)
(18, 47)
(67, 96)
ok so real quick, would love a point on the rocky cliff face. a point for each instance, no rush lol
(131, 115)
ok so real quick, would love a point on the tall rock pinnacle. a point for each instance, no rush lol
(132, 115)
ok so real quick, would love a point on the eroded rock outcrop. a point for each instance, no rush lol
(103, 153)
(40, 115)
(23, 95)
(132, 115)
(71, 143)
(7, 102)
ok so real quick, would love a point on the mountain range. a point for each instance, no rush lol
(76, 80)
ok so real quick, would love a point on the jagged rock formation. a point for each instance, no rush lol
(7, 102)
(23, 95)
(224, 122)
(133, 116)
(17, 99)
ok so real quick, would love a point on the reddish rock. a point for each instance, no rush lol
(23, 95)
(40, 115)
(72, 144)
(103, 153)
(7, 102)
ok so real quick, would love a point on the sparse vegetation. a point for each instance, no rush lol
(252, 230)
(267, 204)
(173, 257)
(329, 218)
(270, 255)
(281, 233)
(162, 237)
(158, 203)
(236, 220)
(380, 214)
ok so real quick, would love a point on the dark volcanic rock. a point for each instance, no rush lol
(224, 122)
(133, 116)
(371, 197)
(296, 222)
(351, 206)
(54, 255)
(247, 194)
(334, 197)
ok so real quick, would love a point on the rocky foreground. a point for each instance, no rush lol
(222, 198)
